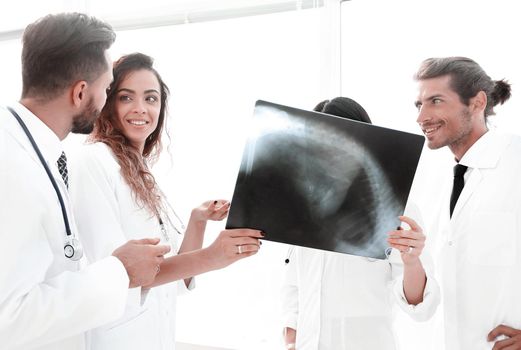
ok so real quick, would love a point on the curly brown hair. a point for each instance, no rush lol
(134, 165)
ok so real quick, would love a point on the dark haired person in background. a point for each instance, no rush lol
(338, 301)
(49, 296)
(479, 233)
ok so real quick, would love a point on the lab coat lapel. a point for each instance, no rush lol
(469, 188)
(484, 155)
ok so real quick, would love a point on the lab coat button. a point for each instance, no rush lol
(450, 243)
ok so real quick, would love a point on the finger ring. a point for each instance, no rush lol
(239, 248)
(409, 250)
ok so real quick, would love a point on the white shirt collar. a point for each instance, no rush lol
(47, 141)
(486, 151)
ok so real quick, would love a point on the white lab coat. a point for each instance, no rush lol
(46, 300)
(338, 301)
(480, 247)
(107, 215)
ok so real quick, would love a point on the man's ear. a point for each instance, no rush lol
(79, 93)
(479, 102)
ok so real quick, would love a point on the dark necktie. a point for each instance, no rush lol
(457, 187)
(62, 168)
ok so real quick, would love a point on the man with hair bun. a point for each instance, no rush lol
(479, 227)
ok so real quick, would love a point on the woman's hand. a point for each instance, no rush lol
(233, 245)
(215, 210)
(410, 242)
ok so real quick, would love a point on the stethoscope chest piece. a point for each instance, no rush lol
(73, 249)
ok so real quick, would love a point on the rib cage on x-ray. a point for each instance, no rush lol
(312, 180)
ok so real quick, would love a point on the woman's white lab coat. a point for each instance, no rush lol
(107, 216)
(338, 301)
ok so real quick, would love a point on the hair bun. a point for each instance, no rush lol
(502, 92)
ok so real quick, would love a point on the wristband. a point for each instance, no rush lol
(290, 346)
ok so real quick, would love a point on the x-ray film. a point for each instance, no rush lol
(324, 182)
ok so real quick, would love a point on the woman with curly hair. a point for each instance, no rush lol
(117, 198)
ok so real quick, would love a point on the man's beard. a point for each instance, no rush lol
(83, 123)
(461, 136)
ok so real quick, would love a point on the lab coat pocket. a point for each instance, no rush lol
(492, 239)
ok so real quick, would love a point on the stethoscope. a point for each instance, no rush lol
(163, 224)
(72, 247)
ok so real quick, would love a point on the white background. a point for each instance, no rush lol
(216, 70)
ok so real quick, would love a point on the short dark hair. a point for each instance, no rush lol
(467, 79)
(344, 107)
(60, 49)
